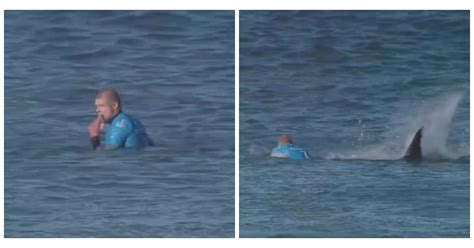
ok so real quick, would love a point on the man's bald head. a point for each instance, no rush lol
(111, 96)
(108, 105)
(284, 140)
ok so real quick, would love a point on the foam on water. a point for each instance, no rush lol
(257, 151)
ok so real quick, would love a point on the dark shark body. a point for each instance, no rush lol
(414, 150)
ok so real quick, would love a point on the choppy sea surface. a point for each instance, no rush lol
(352, 87)
(175, 73)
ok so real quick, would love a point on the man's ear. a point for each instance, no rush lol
(115, 105)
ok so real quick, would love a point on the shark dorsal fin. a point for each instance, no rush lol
(414, 150)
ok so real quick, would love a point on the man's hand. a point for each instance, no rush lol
(96, 127)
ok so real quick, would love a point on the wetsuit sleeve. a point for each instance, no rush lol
(95, 142)
(306, 155)
(117, 135)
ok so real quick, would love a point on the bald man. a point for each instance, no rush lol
(124, 131)
(286, 149)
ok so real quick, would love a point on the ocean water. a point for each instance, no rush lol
(353, 87)
(175, 73)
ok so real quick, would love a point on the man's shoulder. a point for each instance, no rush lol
(293, 147)
(122, 121)
(298, 151)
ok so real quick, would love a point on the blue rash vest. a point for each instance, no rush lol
(290, 151)
(126, 131)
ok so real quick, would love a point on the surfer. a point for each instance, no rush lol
(286, 149)
(124, 130)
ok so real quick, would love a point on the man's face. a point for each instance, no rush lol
(105, 109)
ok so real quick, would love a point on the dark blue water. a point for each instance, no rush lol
(175, 73)
(352, 87)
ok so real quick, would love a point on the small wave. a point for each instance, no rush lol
(101, 53)
(324, 53)
(151, 20)
(130, 41)
(58, 31)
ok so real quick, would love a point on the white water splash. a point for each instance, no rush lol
(256, 151)
(435, 116)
